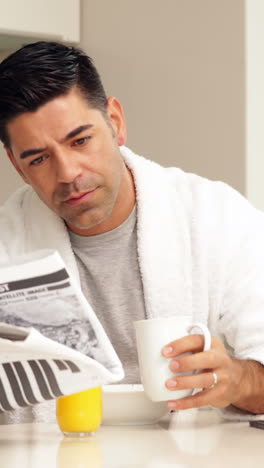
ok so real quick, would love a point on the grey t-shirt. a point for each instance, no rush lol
(111, 282)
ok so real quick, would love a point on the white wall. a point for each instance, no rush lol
(50, 19)
(254, 40)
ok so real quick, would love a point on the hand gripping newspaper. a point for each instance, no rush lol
(51, 342)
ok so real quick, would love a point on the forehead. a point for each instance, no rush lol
(53, 120)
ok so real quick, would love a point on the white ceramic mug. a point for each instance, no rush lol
(152, 335)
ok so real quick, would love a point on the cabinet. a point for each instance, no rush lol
(30, 20)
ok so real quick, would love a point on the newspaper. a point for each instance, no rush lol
(51, 342)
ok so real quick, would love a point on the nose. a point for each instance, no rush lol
(67, 167)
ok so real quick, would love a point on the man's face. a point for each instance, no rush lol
(69, 153)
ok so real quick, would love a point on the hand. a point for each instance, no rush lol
(229, 373)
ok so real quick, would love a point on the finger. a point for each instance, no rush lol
(202, 380)
(210, 397)
(205, 360)
(189, 343)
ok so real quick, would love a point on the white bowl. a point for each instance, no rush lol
(129, 405)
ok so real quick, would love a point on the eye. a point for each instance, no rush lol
(39, 160)
(81, 141)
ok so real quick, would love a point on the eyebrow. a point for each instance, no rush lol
(71, 134)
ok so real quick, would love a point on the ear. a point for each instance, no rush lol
(16, 166)
(117, 117)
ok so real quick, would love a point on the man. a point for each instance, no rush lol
(144, 240)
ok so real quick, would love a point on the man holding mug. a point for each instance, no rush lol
(143, 240)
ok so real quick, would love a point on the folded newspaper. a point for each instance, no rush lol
(51, 342)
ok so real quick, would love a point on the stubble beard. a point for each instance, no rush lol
(87, 215)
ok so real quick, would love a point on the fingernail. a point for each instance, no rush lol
(172, 405)
(174, 365)
(171, 383)
(167, 350)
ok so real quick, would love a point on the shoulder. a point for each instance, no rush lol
(200, 189)
(20, 200)
(212, 202)
(13, 213)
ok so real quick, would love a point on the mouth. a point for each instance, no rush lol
(79, 198)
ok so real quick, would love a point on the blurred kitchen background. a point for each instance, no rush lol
(189, 73)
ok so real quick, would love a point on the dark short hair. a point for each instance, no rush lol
(40, 72)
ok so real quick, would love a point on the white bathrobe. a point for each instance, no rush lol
(200, 250)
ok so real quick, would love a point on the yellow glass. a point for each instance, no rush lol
(80, 414)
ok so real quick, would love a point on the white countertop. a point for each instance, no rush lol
(192, 439)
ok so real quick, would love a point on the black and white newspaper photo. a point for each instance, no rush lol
(51, 342)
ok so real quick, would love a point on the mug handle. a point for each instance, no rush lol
(205, 332)
(207, 342)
